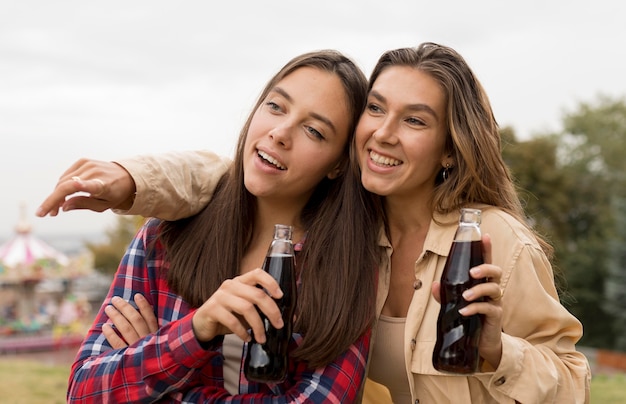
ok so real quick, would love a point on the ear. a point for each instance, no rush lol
(335, 172)
(447, 161)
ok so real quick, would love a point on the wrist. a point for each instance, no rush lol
(493, 356)
(127, 204)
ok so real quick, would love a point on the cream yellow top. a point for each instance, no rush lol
(387, 357)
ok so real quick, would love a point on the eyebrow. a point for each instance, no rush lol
(313, 114)
(412, 107)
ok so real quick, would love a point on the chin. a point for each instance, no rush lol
(252, 187)
(371, 186)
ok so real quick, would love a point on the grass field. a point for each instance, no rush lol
(610, 389)
(30, 382)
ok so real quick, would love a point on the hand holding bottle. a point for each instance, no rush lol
(485, 299)
(233, 307)
(267, 359)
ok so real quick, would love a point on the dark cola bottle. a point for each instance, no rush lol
(456, 349)
(267, 362)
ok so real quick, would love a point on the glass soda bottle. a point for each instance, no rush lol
(267, 362)
(456, 349)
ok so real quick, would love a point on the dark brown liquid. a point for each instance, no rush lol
(268, 362)
(456, 350)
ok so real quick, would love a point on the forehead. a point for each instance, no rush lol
(410, 86)
(319, 92)
(315, 82)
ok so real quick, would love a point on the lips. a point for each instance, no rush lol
(384, 161)
(271, 160)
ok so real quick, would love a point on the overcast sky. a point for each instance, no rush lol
(111, 79)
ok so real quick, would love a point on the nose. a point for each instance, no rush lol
(281, 134)
(385, 133)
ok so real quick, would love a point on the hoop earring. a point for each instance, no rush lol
(446, 172)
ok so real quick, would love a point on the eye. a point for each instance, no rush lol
(273, 106)
(374, 108)
(414, 121)
(315, 133)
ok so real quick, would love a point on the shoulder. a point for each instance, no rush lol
(150, 228)
(147, 234)
(501, 225)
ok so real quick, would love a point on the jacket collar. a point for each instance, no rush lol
(440, 234)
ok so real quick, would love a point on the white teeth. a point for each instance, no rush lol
(378, 159)
(271, 160)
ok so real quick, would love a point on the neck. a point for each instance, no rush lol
(270, 213)
(407, 214)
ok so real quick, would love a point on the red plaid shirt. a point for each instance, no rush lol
(170, 366)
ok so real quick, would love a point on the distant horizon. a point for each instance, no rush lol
(66, 243)
(64, 225)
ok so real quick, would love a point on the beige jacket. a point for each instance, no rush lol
(539, 363)
(175, 184)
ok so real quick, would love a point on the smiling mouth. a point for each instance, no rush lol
(383, 161)
(270, 160)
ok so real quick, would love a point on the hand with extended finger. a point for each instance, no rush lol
(108, 185)
(490, 306)
(233, 308)
(131, 323)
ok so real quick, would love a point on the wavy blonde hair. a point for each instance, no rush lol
(479, 174)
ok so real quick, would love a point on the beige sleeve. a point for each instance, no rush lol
(540, 362)
(173, 185)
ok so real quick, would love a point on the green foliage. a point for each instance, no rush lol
(599, 133)
(108, 254)
(533, 165)
(573, 187)
(601, 128)
(616, 280)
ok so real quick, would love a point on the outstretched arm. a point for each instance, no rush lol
(90, 184)
(168, 186)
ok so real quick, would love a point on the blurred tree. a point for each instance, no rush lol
(108, 254)
(583, 251)
(600, 128)
(616, 279)
(572, 184)
(535, 170)
(599, 133)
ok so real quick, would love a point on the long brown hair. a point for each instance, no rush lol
(338, 261)
(480, 174)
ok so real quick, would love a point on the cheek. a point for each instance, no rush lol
(361, 135)
(320, 163)
(366, 127)
(248, 149)
(260, 124)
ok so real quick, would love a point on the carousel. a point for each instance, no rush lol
(26, 263)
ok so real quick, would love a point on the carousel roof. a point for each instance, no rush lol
(25, 255)
(25, 249)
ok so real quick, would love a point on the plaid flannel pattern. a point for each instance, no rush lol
(170, 366)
